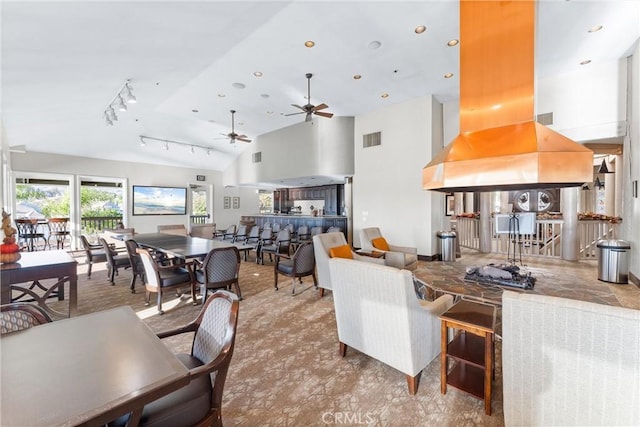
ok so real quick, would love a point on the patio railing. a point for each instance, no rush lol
(547, 242)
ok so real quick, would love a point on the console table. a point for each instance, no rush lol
(24, 276)
(471, 350)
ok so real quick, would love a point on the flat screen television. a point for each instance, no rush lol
(150, 200)
(526, 222)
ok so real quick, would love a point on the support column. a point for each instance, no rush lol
(617, 197)
(485, 222)
(468, 202)
(609, 193)
(569, 209)
(504, 202)
(458, 199)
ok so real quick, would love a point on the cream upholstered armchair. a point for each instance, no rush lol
(322, 245)
(395, 256)
(378, 314)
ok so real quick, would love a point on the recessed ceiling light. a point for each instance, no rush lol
(269, 112)
(238, 85)
(357, 77)
(448, 75)
(374, 44)
(265, 95)
(453, 42)
(385, 95)
(258, 74)
(309, 43)
(420, 29)
(595, 29)
(221, 95)
(585, 62)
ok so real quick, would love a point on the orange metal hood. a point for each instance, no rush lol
(500, 147)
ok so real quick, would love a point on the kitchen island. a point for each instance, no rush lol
(324, 221)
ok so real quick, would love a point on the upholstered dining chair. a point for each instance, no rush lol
(200, 402)
(137, 269)
(396, 256)
(301, 264)
(115, 260)
(177, 229)
(58, 230)
(219, 270)
(241, 234)
(159, 278)
(205, 231)
(227, 234)
(265, 239)
(94, 254)
(18, 316)
(281, 245)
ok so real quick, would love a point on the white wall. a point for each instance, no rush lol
(387, 184)
(319, 147)
(144, 174)
(586, 105)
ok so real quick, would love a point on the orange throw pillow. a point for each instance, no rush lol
(343, 251)
(380, 243)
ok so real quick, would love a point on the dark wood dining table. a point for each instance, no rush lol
(22, 280)
(183, 246)
(86, 370)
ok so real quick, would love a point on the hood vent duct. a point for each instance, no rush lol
(500, 146)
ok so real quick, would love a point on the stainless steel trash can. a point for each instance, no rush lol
(447, 242)
(613, 261)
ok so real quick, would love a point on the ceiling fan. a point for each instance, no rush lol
(310, 109)
(233, 136)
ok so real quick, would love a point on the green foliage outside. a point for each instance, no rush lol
(199, 205)
(57, 203)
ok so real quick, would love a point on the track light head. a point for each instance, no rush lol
(121, 105)
(107, 120)
(128, 94)
(111, 114)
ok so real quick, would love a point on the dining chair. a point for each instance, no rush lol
(137, 269)
(94, 253)
(227, 234)
(316, 230)
(241, 234)
(219, 270)
(200, 402)
(159, 278)
(281, 245)
(18, 316)
(301, 264)
(58, 231)
(29, 233)
(115, 260)
(264, 239)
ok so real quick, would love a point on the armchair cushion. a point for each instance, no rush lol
(173, 276)
(380, 243)
(343, 251)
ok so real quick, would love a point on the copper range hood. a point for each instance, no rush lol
(500, 146)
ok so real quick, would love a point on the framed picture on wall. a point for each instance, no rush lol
(236, 202)
(227, 202)
(449, 204)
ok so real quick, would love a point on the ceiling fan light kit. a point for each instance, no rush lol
(309, 108)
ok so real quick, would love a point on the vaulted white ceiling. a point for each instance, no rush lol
(63, 62)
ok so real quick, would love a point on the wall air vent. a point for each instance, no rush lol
(545, 119)
(371, 139)
(257, 157)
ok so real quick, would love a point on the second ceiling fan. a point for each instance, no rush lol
(309, 108)
(233, 136)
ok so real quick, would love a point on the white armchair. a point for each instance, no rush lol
(378, 314)
(322, 244)
(397, 256)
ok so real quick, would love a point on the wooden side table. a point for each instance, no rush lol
(471, 350)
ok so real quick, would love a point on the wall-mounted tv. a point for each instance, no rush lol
(148, 200)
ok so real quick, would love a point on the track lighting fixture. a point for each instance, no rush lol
(123, 97)
(164, 143)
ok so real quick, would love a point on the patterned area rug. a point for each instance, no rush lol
(286, 370)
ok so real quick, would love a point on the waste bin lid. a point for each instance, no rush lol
(446, 234)
(613, 244)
